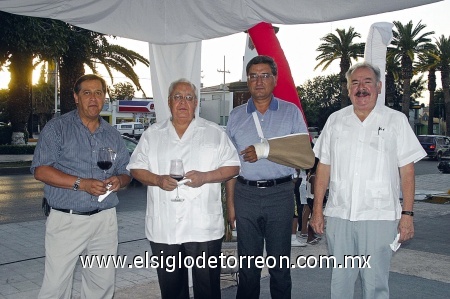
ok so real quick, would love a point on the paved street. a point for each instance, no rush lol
(420, 269)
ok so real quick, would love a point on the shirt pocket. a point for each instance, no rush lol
(377, 195)
(382, 141)
(208, 157)
(339, 196)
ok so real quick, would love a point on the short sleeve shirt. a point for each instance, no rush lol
(203, 147)
(364, 159)
(66, 144)
(282, 118)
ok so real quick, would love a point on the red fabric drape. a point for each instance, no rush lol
(266, 43)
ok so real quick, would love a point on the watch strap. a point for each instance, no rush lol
(76, 185)
(409, 213)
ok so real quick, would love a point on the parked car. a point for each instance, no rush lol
(130, 143)
(130, 129)
(436, 146)
(314, 132)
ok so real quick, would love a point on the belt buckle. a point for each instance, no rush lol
(261, 182)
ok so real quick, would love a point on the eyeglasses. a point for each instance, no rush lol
(179, 97)
(255, 77)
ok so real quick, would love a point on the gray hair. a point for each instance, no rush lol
(360, 65)
(183, 80)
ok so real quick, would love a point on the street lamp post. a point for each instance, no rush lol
(56, 87)
(221, 108)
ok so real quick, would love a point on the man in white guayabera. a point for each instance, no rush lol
(367, 153)
(184, 207)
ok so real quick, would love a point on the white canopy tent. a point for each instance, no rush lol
(176, 28)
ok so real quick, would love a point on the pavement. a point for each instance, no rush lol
(419, 269)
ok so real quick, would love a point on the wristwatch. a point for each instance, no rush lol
(76, 185)
(409, 213)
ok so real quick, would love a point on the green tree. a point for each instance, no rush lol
(393, 72)
(340, 47)
(429, 62)
(122, 91)
(25, 39)
(409, 41)
(439, 104)
(22, 40)
(417, 88)
(43, 105)
(320, 97)
(4, 118)
(443, 51)
(90, 48)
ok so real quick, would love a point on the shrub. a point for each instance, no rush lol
(5, 134)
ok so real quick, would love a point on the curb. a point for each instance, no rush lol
(14, 170)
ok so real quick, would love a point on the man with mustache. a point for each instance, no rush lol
(367, 154)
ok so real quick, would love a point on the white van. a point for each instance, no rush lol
(131, 129)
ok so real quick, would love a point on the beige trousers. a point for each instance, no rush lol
(67, 237)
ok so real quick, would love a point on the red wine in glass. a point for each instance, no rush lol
(105, 159)
(177, 173)
(104, 165)
(177, 177)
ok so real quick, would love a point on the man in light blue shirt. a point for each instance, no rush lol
(262, 202)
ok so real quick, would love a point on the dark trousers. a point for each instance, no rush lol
(264, 214)
(173, 281)
(298, 204)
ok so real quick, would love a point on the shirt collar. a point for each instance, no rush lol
(102, 122)
(272, 106)
(375, 111)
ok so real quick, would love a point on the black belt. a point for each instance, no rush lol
(265, 183)
(68, 211)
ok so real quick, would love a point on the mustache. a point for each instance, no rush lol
(362, 93)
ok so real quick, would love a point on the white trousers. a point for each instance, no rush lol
(68, 236)
(362, 239)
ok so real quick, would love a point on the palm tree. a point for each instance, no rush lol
(340, 47)
(393, 70)
(90, 48)
(443, 51)
(22, 40)
(408, 42)
(25, 39)
(429, 62)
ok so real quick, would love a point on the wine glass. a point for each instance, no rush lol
(177, 173)
(106, 157)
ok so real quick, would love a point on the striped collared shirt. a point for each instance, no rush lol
(66, 144)
(282, 118)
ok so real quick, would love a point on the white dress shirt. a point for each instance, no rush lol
(365, 158)
(203, 147)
